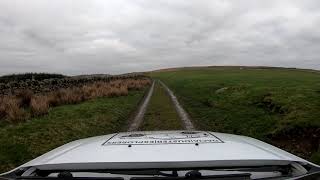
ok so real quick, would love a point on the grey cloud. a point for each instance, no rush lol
(137, 35)
(38, 39)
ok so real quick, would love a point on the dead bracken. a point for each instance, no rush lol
(13, 108)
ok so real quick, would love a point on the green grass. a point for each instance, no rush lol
(25, 141)
(161, 114)
(253, 102)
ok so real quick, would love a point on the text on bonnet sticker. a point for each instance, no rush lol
(154, 138)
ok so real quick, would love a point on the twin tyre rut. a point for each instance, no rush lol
(140, 115)
(184, 116)
(137, 120)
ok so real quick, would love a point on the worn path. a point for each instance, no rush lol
(139, 118)
(161, 113)
(184, 116)
(136, 122)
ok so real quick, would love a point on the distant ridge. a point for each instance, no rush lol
(91, 76)
(233, 67)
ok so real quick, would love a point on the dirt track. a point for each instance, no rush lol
(138, 118)
(141, 110)
(185, 118)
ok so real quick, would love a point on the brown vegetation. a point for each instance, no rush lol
(39, 105)
(24, 97)
(12, 107)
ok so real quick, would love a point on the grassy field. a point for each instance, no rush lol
(161, 114)
(25, 141)
(280, 106)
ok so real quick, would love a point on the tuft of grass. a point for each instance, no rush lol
(24, 97)
(66, 96)
(161, 113)
(10, 109)
(39, 105)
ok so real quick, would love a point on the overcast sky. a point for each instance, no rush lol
(82, 37)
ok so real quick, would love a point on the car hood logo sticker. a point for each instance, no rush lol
(145, 138)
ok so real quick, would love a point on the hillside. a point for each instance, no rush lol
(277, 105)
